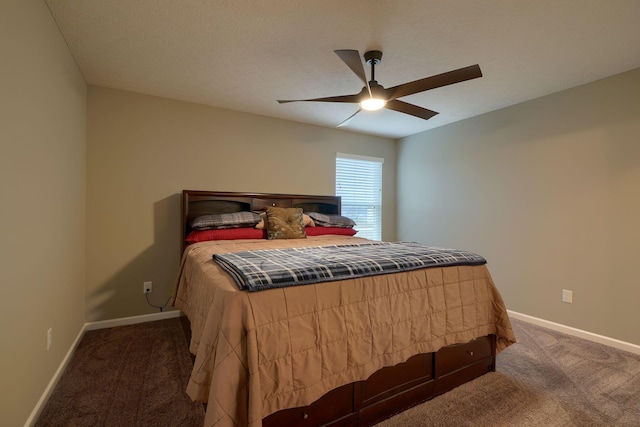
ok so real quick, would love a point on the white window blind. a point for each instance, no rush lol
(359, 184)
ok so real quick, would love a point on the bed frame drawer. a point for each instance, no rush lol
(333, 408)
(392, 380)
(394, 389)
(452, 358)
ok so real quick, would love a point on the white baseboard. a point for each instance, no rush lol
(601, 339)
(90, 326)
(123, 321)
(33, 417)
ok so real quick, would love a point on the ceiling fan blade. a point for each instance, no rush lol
(340, 98)
(352, 59)
(348, 119)
(413, 110)
(439, 80)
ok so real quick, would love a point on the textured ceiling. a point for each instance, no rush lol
(244, 54)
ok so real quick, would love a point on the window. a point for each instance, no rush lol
(359, 183)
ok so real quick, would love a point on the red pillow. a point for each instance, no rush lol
(319, 231)
(226, 234)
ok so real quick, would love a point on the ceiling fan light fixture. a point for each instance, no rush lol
(372, 104)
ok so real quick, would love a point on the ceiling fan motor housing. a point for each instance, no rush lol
(377, 90)
(373, 57)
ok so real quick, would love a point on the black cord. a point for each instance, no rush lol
(155, 306)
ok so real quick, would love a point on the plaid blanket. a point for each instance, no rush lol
(277, 268)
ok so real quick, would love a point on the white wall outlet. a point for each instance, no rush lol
(49, 338)
(147, 287)
(567, 296)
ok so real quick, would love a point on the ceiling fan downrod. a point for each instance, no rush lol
(373, 58)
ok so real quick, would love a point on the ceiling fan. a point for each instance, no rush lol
(374, 96)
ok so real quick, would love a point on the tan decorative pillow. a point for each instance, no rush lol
(285, 223)
(306, 219)
(261, 225)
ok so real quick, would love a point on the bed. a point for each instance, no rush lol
(346, 352)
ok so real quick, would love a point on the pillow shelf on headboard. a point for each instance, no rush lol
(198, 203)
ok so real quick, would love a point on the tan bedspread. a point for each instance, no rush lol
(259, 352)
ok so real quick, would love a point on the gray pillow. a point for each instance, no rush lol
(226, 220)
(325, 220)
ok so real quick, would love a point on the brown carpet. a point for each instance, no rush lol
(546, 379)
(136, 376)
(126, 376)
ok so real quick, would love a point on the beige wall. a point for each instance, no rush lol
(546, 190)
(142, 151)
(549, 192)
(42, 192)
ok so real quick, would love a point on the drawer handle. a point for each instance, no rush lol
(273, 204)
(305, 416)
(470, 353)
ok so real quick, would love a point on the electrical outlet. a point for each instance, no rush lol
(147, 287)
(567, 296)
(49, 338)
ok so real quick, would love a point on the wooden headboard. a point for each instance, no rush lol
(197, 203)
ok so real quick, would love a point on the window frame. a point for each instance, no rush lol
(359, 211)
